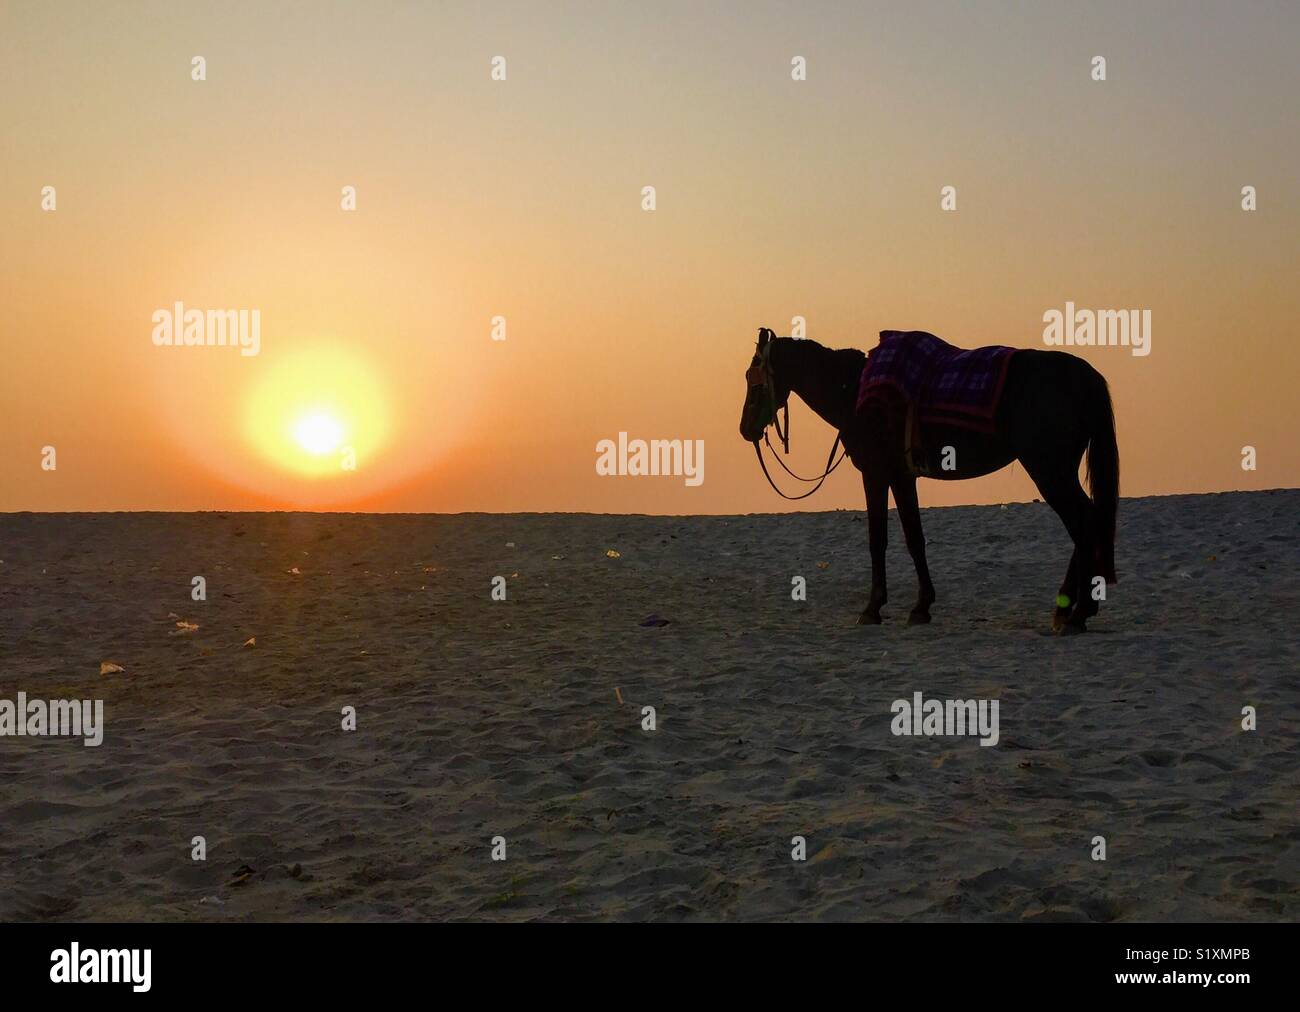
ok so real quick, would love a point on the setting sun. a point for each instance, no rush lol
(318, 433)
(319, 413)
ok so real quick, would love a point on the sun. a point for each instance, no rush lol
(318, 433)
(319, 413)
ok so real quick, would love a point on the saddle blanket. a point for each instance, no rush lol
(942, 383)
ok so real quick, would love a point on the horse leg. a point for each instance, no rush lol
(909, 514)
(876, 487)
(1066, 594)
(1062, 491)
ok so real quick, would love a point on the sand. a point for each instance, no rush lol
(479, 718)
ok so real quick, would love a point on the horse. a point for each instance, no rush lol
(1053, 408)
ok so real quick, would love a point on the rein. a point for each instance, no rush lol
(784, 435)
(825, 474)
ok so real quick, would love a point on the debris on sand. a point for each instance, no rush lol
(109, 668)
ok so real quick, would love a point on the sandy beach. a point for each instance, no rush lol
(522, 718)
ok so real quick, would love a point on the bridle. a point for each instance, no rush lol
(761, 375)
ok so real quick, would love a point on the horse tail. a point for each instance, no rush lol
(1103, 470)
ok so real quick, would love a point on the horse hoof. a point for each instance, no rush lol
(918, 618)
(1059, 621)
(1071, 629)
(866, 618)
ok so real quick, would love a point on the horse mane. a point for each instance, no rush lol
(850, 361)
(851, 358)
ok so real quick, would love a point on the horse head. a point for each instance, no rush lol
(766, 393)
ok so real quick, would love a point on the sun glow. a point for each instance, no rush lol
(319, 413)
(318, 433)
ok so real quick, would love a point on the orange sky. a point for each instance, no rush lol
(522, 198)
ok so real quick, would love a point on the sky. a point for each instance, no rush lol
(378, 384)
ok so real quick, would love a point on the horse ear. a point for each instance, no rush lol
(763, 335)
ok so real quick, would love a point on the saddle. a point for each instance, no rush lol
(936, 383)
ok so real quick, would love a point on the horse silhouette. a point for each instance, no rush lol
(1050, 408)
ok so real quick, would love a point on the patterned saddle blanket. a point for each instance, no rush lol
(939, 383)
